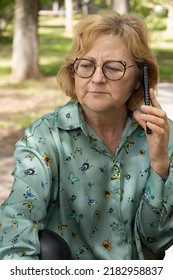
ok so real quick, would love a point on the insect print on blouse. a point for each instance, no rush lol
(29, 172)
(30, 156)
(106, 194)
(16, 237)
(142, 152)
(43, 185)
(96, 214)
(85, 166)
(82, 251)
(35, 224)
(152, 224)
(50, 130)
(19, 214)
(144, 172)
(148, 195)
(100, 150)
(114, 226)
(75, 136)
(119, 227)
(103, 170)
(103, 151)
(151, 239)
(47, 159)
(42, 140)
(128, 176)
(28, 194)
(69, 157)
(157, 212)
(61, 228)
(73, 198)
(121, 194)
(132, 201)
(92, 139)
(72, 178)
(93, 232)
(107, 245)
(74, 234)
(27, 139)
(75, 216)
(134, 124)
(119, 191)
(15, 223)
(78, 150)
(53, 203)
(127, 146)
(72, 127)
(29, 206)
(117, 171)
(110, 211)
(171, 160)
(91, 201)
(68, 116)
(90, 185)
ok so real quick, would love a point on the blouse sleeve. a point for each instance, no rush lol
(154, 220)
(24, 212)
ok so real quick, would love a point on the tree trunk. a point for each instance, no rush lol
(170, 17)
(121, 6)
(25, 41)
(68, 17)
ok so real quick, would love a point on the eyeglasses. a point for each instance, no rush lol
(112, 70)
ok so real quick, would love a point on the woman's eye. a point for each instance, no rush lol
(86, 65)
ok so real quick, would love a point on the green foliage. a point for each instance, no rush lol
(146, 7)
(50, 2)
(165, 59)
(6, 10)
(5, 3)
(156, 23)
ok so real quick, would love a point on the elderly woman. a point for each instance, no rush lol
(89, 171)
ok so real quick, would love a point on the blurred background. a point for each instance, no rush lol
(35, 36)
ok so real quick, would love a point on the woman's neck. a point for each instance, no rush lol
(109, 127)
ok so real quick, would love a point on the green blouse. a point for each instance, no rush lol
(105, 206)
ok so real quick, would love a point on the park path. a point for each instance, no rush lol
(164, 96)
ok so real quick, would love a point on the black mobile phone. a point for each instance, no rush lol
(146, 92)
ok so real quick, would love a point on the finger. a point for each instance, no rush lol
(156, 128)
(153, 111)
(153, 99)
(137, 116)
(162, 122)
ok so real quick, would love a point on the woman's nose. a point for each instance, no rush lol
(98, 76)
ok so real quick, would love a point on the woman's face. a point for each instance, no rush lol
(98, 93)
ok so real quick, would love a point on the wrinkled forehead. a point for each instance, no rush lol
(101, 43)
(108, 47)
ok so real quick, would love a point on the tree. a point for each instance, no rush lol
(25, 41)
(121, 7)
(68, 16)
(170, 16)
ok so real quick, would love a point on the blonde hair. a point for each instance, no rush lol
(132, 29)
